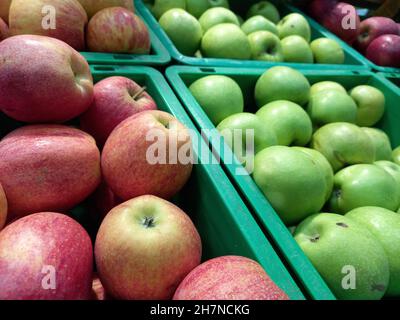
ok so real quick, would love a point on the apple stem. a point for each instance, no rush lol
(139, 93)
(148, 222)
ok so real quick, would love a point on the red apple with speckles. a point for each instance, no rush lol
(385, 51)
(115, 99)
(3, 207)
(47, 168)
(43, 80)
(144, 249)
(33, 17)
(136, 158)
(229, 278)
(94, 6)
(118, 30)
(4, 31)
(45, 256)
(5, 9)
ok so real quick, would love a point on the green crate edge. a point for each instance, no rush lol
(205, 62)
(239, 213)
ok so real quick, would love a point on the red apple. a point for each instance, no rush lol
(118, 30)
(229, 278)
(139, 156)
(45, 256)
(94, 6)
(3, 207)
(4, 31)
(385, 51)
(5, 9)
(47, 168)
(115, 99)
(318, 9)
(43, 80)
(144, 249)
(69, 17)
(372, 28)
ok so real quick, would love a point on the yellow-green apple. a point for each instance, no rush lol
(385, 226)
(363, 185)
(288, 120)
(55, 259)
(5, 9)
(43, 80)
(93, 6)
(396, 155)
(125, 32)
(296, 49)
(371, 104)
(143, 155)
(294, 24)
(26, 17)
(197, 7)
(258, 23)
(325, 86)
(381, 142)
(115, 99)
(265, 9)
(4, 31)
(372, 28)
(265, 46)
(282, 83)
(3, 207)
(343, 144)
(47, 168)
(144, 249)
(217, 279)
(325, 165)
(219, 97)
(327, 51)
(226, 41)
(237, 126)
(215, 16)
(348, 257)
(183, 29)
(331, 106)
(293, 182)
(159, 7)
(385, 51)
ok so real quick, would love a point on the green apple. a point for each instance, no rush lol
(396, 155)
(240, 19)
(219, 96)
(259, 23)
(385, 226)
(197, 7)
(327, 51)
(343, 144)
(296, 49)
(348, 257)
(294, 24)
(371, 104)
(363, 185)
(183, 29)
(265, 46)
(326, 86)
(383, 149)
(226, 41)
(282, 83)
(292, 181)
(331, 106)
(159, 7)
(391, 168)
(288, 120)
(237, 126)
(216, 16)
(324, 164)
(265, 9)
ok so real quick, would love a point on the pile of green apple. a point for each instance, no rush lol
(209, 29)
(316, 151)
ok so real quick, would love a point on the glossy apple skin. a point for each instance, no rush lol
(385, 51)
(39, 240)
(93, 6)
(3, 207)
(114, 101)
(43, 80)
(26, 18)
(4, 31)
(125, 166)
(140, 262)
(47, 168)
(118, 30)
(265, 46)
(229, 278)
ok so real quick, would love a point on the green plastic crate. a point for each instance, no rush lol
(181, 77)
(158, 56)
(394, 78)
(353, 61)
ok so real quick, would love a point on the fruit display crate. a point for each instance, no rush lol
(353, 60)
(181, 77)
(158, 56)
(393, 78)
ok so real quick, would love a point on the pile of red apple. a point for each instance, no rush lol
(93, 25)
